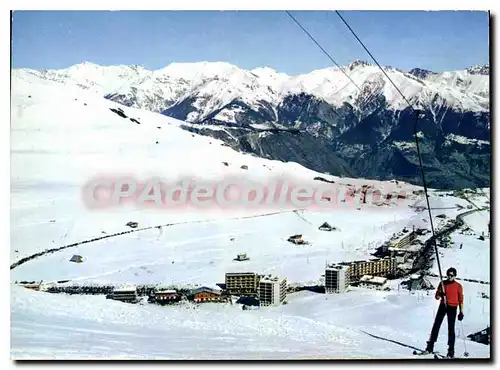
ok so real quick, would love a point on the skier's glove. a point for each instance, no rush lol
(460, 316)
(441, 294)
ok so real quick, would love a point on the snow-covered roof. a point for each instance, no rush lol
(373, 279)
(240, 274)
(206, 289)
(130, 288)
(272, 279)
(337, 267)
(379, 280)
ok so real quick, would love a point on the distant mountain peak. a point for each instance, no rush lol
(421, 73)
(479, 70)
(85, 64)
(358, 63)
(264, 70)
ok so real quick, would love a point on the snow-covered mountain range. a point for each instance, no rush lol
(350, 123)
(212, 86)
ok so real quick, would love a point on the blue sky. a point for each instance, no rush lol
(433, 40)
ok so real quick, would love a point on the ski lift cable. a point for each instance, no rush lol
(376, 62)
(406, 100)
(321, 48)
(417, 116)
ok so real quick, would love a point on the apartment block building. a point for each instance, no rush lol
(336, 278)
(242, 283)
(272, 290)
(376, 267)
(405, 241)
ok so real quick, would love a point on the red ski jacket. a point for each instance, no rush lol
(454, 293)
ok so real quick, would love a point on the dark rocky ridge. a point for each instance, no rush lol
(365, 139)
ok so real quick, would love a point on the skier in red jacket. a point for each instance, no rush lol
(451, 298)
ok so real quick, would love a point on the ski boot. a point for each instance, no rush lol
(429, 349)
(450, 354)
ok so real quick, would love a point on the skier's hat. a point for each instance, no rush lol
(451, 270)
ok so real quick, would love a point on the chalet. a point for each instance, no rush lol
(205, 294)
(164, 296)
(125, 294)
(241, 257)
(296, 239)
(31, 285)
(326, 227)
(373, 282)
(417, 282)
(483, 336)
(76, 258)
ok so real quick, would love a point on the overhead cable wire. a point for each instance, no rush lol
(321, 48)
(375, 60)
(417, 116)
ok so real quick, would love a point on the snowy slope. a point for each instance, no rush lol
(312, 326)
(201, 253)
(464, 81)
(473, 260)
(62, 135)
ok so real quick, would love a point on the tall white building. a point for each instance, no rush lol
(336, 278)
(272, 290)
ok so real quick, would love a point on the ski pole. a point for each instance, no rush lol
(466, 354)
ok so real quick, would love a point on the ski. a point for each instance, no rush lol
(437, 355)
(417, 351)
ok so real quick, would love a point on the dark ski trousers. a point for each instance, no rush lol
(443, 311)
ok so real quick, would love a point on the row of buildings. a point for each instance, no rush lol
(272, 290)
(398, 254)
(405, 250)
(369, 274)
(268, 289)
(167, 296)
